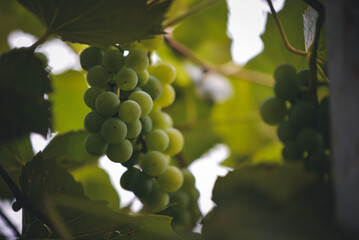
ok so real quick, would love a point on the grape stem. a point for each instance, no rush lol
(26, 201)
(283, 34)
(10, 224)
(199, 7)
(41, 40)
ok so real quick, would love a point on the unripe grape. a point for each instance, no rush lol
(292, 151)
(133, 129)
(171, 180)
(107, 103)
(273, 110)
(93, 122)
(284, 70)
(164, 72)
(310, 139)
(153, 43)
(137, 60)
(91, 57)
(286, 131)
(129, 111)
(188, 180)
(167, 97)
(119, 152)
(183, 218)
(181, 199)
(142, 185)
(153, 87)
(143, 77)
(113, 60)
(146, 124)
(113, 130)
(127, 178)
(91, 95)
(95, 145)
(302, 114)
(176, 141)
(303, 77)
(154, 163)
(157, 140)
(161, 120)
(134, 159)
(144, 100)
(98, 76)
(156, 201)
(126, 79)
(319, 162)
(286, 88)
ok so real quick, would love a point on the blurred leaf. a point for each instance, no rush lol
(206, 33)
(68, 105)
(97, 185)
(69, 150)
(274, 52)
(24, 81)
(99, 22)
(13, 155)
(272, 202)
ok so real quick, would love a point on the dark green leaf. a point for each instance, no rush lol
(99, 22)
(23, 83)
(69, 150)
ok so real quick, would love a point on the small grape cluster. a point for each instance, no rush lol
(303, 123)
(127, 122)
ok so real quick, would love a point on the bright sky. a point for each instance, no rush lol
(246, 44)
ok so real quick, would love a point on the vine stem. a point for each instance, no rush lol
(199, 7)
(41, 40)
(282, 33)
(10, 224)
(26, 201)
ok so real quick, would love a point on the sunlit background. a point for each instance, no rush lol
(246, 23)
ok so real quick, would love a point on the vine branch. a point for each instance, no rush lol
(41, 40)
(282, 33)
(10, 224)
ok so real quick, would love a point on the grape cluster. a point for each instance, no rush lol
(303, 123)
(127, 122)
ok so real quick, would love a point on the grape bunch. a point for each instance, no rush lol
(127, 95)
(303, 121)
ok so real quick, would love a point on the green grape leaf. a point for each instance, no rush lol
(24, 81)
(13, 155)
(69, 150)
(99, 22)
(283, 201)
(274, 52)
(97, 184)
(63, 200)
(69, 109)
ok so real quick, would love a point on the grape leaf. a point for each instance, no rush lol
(24, 81)
(69, 150)
(99, 22)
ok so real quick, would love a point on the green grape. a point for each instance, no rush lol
(98, 76)
(144, 100)
(286, 88)
(156, 201)
(125, 94)
(292, 151)
(153, 87)
(113, 60)
(286, 131)
(188, 180)
(93, 122)
(113, 130)
(119, 152)
(153, 43)
(303, 77)
(95, 145)
(183, 218)
(194, 195)
(127, 178)
(310, 139)
(134, 159)
(129, 111)
(284, 70)
(181, 199)
(273, 110)
(157, 140)
(133, 129)
(142, 185)
(137, 60)
(107, 103)
(161, 120)
(319, 162)
(126, 79)
(164, 72)
(167, 97)
(154, 163)
(91, 57)
(176, 141)
(171, 180)
(146, 123)
(91, 95)
(302, 114)
(143, 77)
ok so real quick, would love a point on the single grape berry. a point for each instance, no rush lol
(113, 130)
(98, 76)
(303, 77)
(310, 139)
(91, 95)
(146, 123)
(126, 79)
(113, 60)
(273, 110)
(167, 97)
(302, 114)
(284, 70)
(95, 145)
(156, 201)
(161, 120)
(286, 131)
(129, 111)
(164, 72)
(137, 60)
(93, 122)
(154, 163)
(142, 185)
(91, 57)
(127, 178)
(286, 88)
(107, 103)
(157, 140)
(144, 100)
(120, 152)
(133, 129)
(143, 77)
(171, 180)
(176, 141)
(153, 87)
